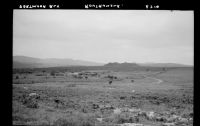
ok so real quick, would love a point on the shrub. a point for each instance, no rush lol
(53, 73)
(39, 74)
(30, 103)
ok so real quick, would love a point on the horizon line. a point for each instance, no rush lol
(113, 61)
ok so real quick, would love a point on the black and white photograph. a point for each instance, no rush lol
(84, 67)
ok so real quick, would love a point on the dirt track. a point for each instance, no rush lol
(158, 81)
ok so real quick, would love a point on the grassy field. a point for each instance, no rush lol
(137, 97)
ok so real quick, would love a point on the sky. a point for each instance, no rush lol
(139, 36)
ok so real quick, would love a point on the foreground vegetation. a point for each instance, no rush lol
(65, 97)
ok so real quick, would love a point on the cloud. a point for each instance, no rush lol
(104, 35)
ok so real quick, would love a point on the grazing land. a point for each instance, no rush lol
(97, 96)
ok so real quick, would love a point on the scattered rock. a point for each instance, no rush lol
(191, 114)
(32, 94)
(168, 124)
(26, 88)
(183, 120)
(95, 106)
(172, 118)
(107, 107)
(125, 109)
(190, 119)
(150, 115)
(142, 113)
(166, 118)
(30, 100)
(161, 119)
(135, 110)
(100, 119)
(30, 103)
(131, 124)
(117, 111)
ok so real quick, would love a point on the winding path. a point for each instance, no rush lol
(158, 81)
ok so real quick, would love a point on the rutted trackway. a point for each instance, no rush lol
(158, 81)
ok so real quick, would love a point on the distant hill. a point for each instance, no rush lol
(30, 62)
(121, 65)
(139, 66)
(163, 65)
(26, 59)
